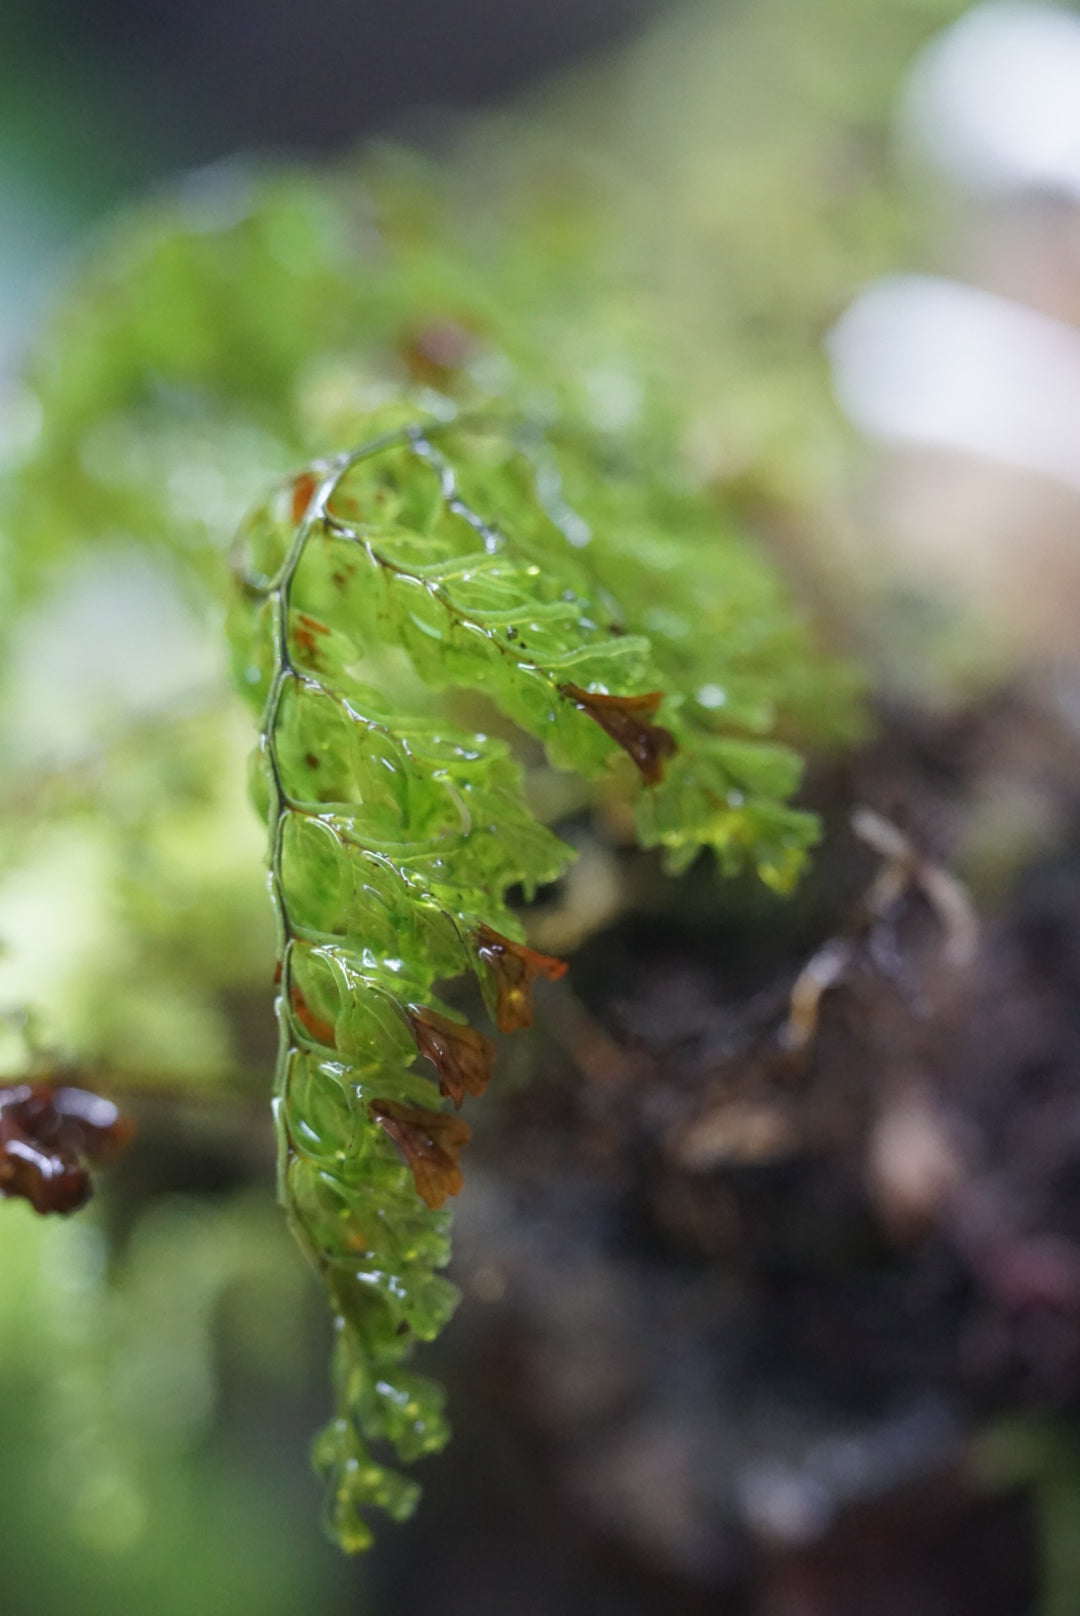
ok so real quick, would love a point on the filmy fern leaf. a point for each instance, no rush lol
(395, 836)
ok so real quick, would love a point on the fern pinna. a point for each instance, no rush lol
(395, 836)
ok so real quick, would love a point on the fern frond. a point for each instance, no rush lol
(395, 836)
(394, 839)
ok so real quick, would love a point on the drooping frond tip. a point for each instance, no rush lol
(395, 836)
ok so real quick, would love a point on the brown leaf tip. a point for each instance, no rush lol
(463, 1057)
(46, 1137)
(303, 489)
(515, 968)
(322, 1031)
(305, 630)
(627, 719)
(430, 1143)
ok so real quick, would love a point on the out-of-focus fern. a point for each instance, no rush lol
(252, 322)
(395, 834)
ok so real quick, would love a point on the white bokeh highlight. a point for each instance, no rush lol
(994, 102)
(921, 360)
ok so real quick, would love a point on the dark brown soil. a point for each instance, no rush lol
(746, 1286)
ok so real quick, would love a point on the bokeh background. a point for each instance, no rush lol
(834, 1373)
(101, 102)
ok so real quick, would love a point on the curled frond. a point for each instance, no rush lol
(395, 836)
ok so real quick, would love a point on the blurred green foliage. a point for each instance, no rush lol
(118, 1484)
